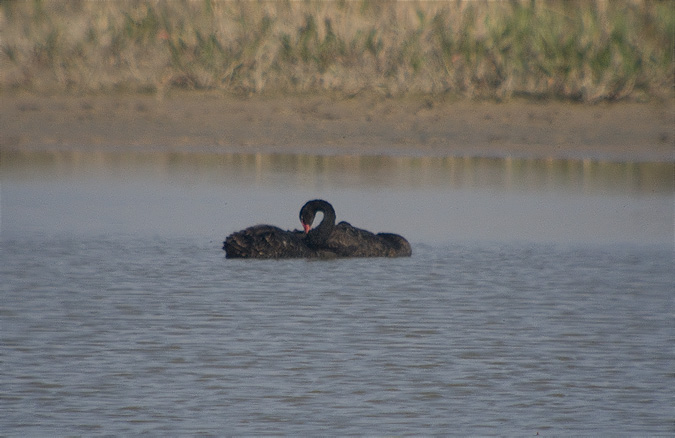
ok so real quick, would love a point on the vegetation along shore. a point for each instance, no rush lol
(567, 50)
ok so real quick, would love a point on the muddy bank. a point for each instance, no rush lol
(361, 125)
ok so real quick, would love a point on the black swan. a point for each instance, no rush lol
(327, 240)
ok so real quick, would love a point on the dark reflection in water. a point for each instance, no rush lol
(428, 199)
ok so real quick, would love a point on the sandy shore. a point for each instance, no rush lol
(368, 125)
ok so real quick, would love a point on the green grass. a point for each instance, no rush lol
(571, 50)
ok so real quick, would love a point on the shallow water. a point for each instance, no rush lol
(425, 199)
(121, 315)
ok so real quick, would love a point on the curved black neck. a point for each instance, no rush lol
(318, 235)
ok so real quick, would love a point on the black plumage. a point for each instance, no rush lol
(327, 240)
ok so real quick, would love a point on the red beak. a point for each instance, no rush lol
(307, 227)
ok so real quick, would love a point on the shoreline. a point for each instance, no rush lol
(321, 125)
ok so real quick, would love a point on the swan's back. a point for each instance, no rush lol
(349, 241)
(266, 242)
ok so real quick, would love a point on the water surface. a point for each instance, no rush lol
(539, 298)
(426, 199)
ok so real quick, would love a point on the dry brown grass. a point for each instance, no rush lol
(572, 50)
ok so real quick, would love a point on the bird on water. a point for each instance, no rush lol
(326, 240)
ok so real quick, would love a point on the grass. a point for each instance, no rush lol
(570, 50)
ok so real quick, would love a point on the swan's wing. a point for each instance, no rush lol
(349, 241)
(266, 242)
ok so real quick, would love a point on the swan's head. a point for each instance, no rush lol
(306, 219)
(309, 210)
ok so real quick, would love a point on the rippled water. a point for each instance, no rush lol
(121, 316)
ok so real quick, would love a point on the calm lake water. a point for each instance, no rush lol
(539, 298)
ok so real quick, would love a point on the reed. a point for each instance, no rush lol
(570, 50)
